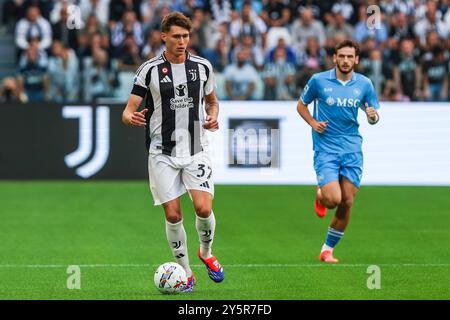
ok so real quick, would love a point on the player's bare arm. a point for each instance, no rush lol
(131, 116)
(212, 111)
(318, 126)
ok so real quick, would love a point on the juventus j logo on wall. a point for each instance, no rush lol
(80, 156)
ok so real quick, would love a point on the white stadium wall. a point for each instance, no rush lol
(409, 146)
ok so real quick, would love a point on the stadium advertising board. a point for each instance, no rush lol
(258, 143)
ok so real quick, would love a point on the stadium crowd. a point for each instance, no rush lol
(80, 50)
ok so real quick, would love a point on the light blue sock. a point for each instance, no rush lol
(333, 237)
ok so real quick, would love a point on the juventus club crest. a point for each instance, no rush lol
(193, 74)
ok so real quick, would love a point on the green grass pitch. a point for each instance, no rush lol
(267, 238)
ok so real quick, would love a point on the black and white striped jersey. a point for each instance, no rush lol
(175, 98)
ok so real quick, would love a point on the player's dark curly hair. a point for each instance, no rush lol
(175, 19)
(348, 43)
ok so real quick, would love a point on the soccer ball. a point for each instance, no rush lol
(170, 278)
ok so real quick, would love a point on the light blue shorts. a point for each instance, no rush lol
(330, 166)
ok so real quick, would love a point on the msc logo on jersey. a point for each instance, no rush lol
(89, 127)
(349, 103)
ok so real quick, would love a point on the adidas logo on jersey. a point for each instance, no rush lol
(166, 79)
(205, 185)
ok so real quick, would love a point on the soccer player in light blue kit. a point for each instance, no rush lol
(338, 160)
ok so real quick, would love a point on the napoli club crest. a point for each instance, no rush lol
(330, 101)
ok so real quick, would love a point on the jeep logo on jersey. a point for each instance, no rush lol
(180, 90)
(346, 102)
(79, 157)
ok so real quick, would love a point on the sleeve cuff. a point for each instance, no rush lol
(139, 91)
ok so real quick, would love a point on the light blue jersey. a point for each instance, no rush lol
(338, 104)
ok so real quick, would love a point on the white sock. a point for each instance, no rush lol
(176, 236)
(326, 248)
(206, 228)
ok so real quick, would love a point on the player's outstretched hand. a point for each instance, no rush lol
(211, 123)
(320, 127)
(138, 118)
(372, 114)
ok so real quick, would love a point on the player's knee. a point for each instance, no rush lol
(173, 215)
(331, 201)
(203, 210)
(173, 218)
(347, 202)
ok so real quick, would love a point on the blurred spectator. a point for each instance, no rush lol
(371, 65)
(256, 57)
(339, 25)
(34, 26)
(203, 27)
(129, 26)
(249, 23)
(305, 27)
(431, 22)
(148, 9)
(186, 7)
(219, 56)
(130, 58)
(55, 13)
(396, 7)
(435, 76)
(89, 43)
(407, 71)
(344, 7)
(155, 22)
(99, 80)
(92, 28)
(279, 77)
(154, 45)
(391, 93)
(33, 78)
(241, 78)
(124, 32)
(63, 70)
(290, 52)
(310, 61)
(363, 30)
(60, 31)
(400, 27)
(42, 56)
(9, 91)
(221, 11)
(12, 11)
(276, 13)
(117, 8)
(99, 8)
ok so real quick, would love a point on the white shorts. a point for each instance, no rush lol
(170, 177)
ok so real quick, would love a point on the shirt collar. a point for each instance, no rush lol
(333, 75)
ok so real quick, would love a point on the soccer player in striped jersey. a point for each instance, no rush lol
(180, 105)
(338, 94)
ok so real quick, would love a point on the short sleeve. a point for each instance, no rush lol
(210, 84)
(139, 86)
(309, 92)
(371, 96)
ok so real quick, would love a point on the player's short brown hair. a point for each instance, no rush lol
(175, 19)
(348, 43)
